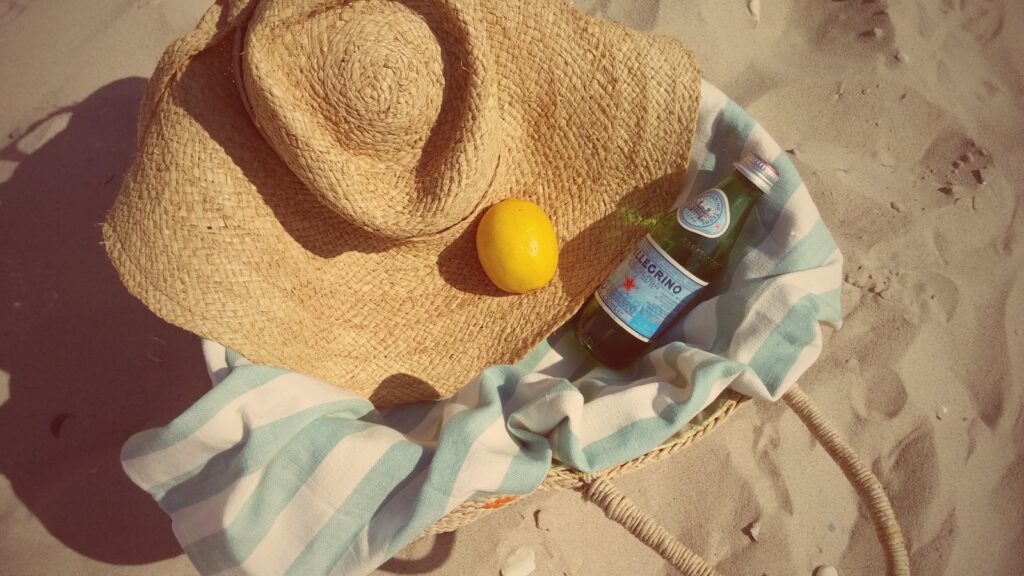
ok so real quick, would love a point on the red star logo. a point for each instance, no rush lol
(629, 284)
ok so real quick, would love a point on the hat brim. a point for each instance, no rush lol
(215, 234)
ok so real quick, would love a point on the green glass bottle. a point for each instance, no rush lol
(668, 271)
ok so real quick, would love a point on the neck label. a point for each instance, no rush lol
(706, 214)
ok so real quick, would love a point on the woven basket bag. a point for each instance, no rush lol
(596, 487)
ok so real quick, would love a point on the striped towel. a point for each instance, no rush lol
(274, 472)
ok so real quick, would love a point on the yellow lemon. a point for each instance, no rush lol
(516, 245)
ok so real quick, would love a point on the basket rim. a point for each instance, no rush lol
(562, 476)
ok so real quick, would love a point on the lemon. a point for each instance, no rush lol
(516, 245)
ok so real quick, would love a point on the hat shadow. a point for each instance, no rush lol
(403, 386)
(634, 216)
(86, 364)
(460, 267)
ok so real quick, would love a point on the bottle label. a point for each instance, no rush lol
(647, 289)
(707, 214)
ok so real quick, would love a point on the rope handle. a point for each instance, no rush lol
(867, 486)
(645, 528)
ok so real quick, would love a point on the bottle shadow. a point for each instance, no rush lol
(87, 365)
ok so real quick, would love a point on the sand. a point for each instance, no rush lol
(905, 120)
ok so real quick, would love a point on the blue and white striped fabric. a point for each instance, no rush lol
(274, 472)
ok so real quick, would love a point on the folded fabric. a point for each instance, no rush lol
(274, 472)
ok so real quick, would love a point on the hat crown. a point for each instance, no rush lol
(380, 107)
(381, 84)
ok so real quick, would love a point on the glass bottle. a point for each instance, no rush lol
(668, 272)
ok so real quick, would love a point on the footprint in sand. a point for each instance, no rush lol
(851, 27)
(913, 473)
(593, 7)
(766, 451)
(10, 11)
(637, 14)
(877, 282)
(910, 475)
(955, 165)
(931, 295)
(932, 557)
(883, 396)
(1011, 484)
(981, 20)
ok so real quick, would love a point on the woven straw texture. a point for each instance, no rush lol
(310, 173)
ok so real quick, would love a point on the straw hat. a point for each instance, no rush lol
(310, 174)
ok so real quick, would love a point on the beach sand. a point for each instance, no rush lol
(905, 120)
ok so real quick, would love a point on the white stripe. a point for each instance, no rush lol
(753, 387)
(645, 398)
(211, 515)
(465, 399)
(796, 220)
(772, 306)
(542, 417)
(216, 361)
(530, 387)
(282, 396)
(822, 279)
(609, 413)
(649, 397)
(367, 551)
(325, 490)
(485, 465)
(426, 432)
(363, 556)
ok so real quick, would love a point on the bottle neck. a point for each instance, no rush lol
(740, 187)
(706, 254)
(743, 195)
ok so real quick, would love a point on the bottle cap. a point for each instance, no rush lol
(758, 170)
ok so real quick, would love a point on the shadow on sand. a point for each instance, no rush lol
(87, 365)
